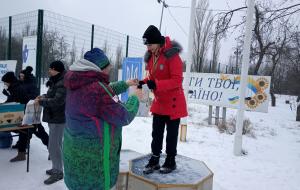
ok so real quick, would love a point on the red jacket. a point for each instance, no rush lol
(169, 95)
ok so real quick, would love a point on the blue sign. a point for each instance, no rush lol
(131, 69)
(25, 53)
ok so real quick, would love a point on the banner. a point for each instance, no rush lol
(6, 66)
(29, 52)
(223, 90)
(131, 69)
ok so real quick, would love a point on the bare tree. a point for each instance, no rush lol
(3, 43)
(82, 51)
(276, 51)
(16, 51)
(262, 34)
(266, 14)
(54, 48)
(119, 57)
(73, 52)
(218, 35)
(203, 26)
(215, 49)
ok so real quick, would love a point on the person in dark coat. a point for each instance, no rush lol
(165, 76)
(54, 114)
(16, 93)
(29, 84)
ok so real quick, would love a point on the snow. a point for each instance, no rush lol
(272, 162)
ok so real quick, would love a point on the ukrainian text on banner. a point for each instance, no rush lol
(6, 66)
(223, 90)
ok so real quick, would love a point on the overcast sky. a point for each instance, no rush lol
(130, 17)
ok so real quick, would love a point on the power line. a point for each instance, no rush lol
(177, 22)
(216, 10)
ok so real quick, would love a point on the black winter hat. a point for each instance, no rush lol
(57, 66)
(153, 36)
(27, 70)
(9, 77)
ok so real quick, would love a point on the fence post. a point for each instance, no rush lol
(127, 45)
(217, 115)
(92, 37)
(210, 114)
(9, 39)
(39, 48)
(224, 116)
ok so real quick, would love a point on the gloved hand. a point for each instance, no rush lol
(151, 84)
(5, 92)
(140, 85)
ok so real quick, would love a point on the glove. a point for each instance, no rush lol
(151, 84)
(140, 85)
(5, 92)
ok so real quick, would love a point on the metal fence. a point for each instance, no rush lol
(62, 38)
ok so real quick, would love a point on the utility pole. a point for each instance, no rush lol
(183, 125)
(244, 80)
(164, 5)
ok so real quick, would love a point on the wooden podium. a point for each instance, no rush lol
(125, 157)
(190, 174)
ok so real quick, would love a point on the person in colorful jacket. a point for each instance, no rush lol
(95, 116)
(164, 78)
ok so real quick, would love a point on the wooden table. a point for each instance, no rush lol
(19, 128)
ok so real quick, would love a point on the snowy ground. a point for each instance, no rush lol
(273, 160)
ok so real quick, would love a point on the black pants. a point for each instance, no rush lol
(38, 130)
(158, 127)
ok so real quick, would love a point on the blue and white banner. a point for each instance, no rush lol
(29, 52)
(131, 69)
(6, 66)
(223, 90)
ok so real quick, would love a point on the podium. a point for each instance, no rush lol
(125, 157)
(190, 174)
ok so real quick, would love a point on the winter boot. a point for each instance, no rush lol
(169, 165)
(153, 164)
(50, 172)
(56, 176)
(20, 157)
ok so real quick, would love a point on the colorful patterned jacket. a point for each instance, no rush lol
(93, 135)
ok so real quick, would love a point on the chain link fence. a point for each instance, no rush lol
(4, 29)
(63, 38)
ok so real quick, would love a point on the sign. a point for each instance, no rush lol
(29, 52)
(222, 90)
(131, 69)
(6, 66)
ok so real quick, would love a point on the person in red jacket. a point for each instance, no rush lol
(164, 78)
